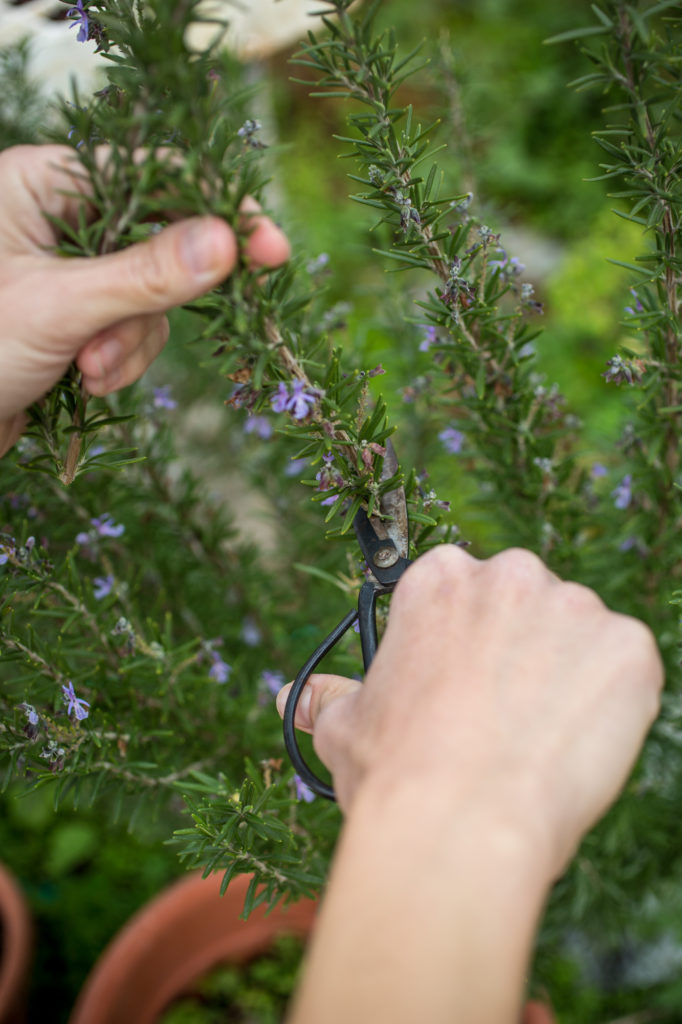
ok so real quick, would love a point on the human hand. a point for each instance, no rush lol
(496, 685)
(106, 313)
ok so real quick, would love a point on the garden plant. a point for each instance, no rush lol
(144, 633)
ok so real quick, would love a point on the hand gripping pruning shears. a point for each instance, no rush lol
(384, 543)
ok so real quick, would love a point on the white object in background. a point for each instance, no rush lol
(259, 28)
(56, 56)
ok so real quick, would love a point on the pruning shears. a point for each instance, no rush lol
(384, 543)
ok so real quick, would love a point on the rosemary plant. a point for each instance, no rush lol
(122, 591)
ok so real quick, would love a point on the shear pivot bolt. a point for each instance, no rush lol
(385, 557)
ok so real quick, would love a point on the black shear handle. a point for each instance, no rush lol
(366, 614)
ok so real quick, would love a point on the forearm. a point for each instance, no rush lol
(430, 915)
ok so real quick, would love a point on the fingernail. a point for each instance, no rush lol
(198, 250)
(108, 355)
(303, 708)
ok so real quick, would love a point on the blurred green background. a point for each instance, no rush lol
(520, 139)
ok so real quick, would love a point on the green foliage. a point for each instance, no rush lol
(257, 992)
(83, 877)
(21, 103)
(458, 329)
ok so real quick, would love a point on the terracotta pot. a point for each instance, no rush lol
(15, 949)
(537, 1013)
(174, 940)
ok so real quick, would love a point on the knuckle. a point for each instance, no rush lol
(517, 570)
(577, 597)
(150, 272)
(438, 569)
(638, 645)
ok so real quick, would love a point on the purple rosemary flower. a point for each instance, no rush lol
(430, 338)
(598, 470)
(163, 399)
(32, 727)
(295, 467)
(102, 525)
(500, 262)
(638, 307)
(251, 634)
(623, 371)
(248, 132)
(106, 527)
(280, 400)
(622, 494)
(102, 586)
(303, 792)
(30, 712)
(75, 705)
(258, 425)
(274, 681)
(301, 400)
(4, 557)
(219, 670)
(318, 264)
(452, 440)
(80, 18)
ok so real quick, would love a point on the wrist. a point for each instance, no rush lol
(429, 891)
(505, 816)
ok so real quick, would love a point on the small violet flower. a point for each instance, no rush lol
(106, 527)
(452, 440)
(280, 400)
(163, 399)
(32, 727)
(258, 425)
(638, 307)
(80, 18)
(301, 400)
(318, 264)
(248, 132)
(622, 494)
(251, 634)
(273, 680)
(219, 670)
(75, 705)
(303, 792)
(624, 371)
(295, 467)
(430, 338)
(298, 402)
(101, 526)
(102, 586)
(30, 713)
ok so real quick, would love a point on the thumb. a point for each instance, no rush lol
(319, 694)
(178, 264)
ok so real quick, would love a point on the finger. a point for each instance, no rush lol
(319, 694)
(11, 430)
(123, 354)
(112, 347)
(46, 179)
(266, 246)
(178, 264)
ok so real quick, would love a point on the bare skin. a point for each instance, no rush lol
(498, 722)
(107, 313)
